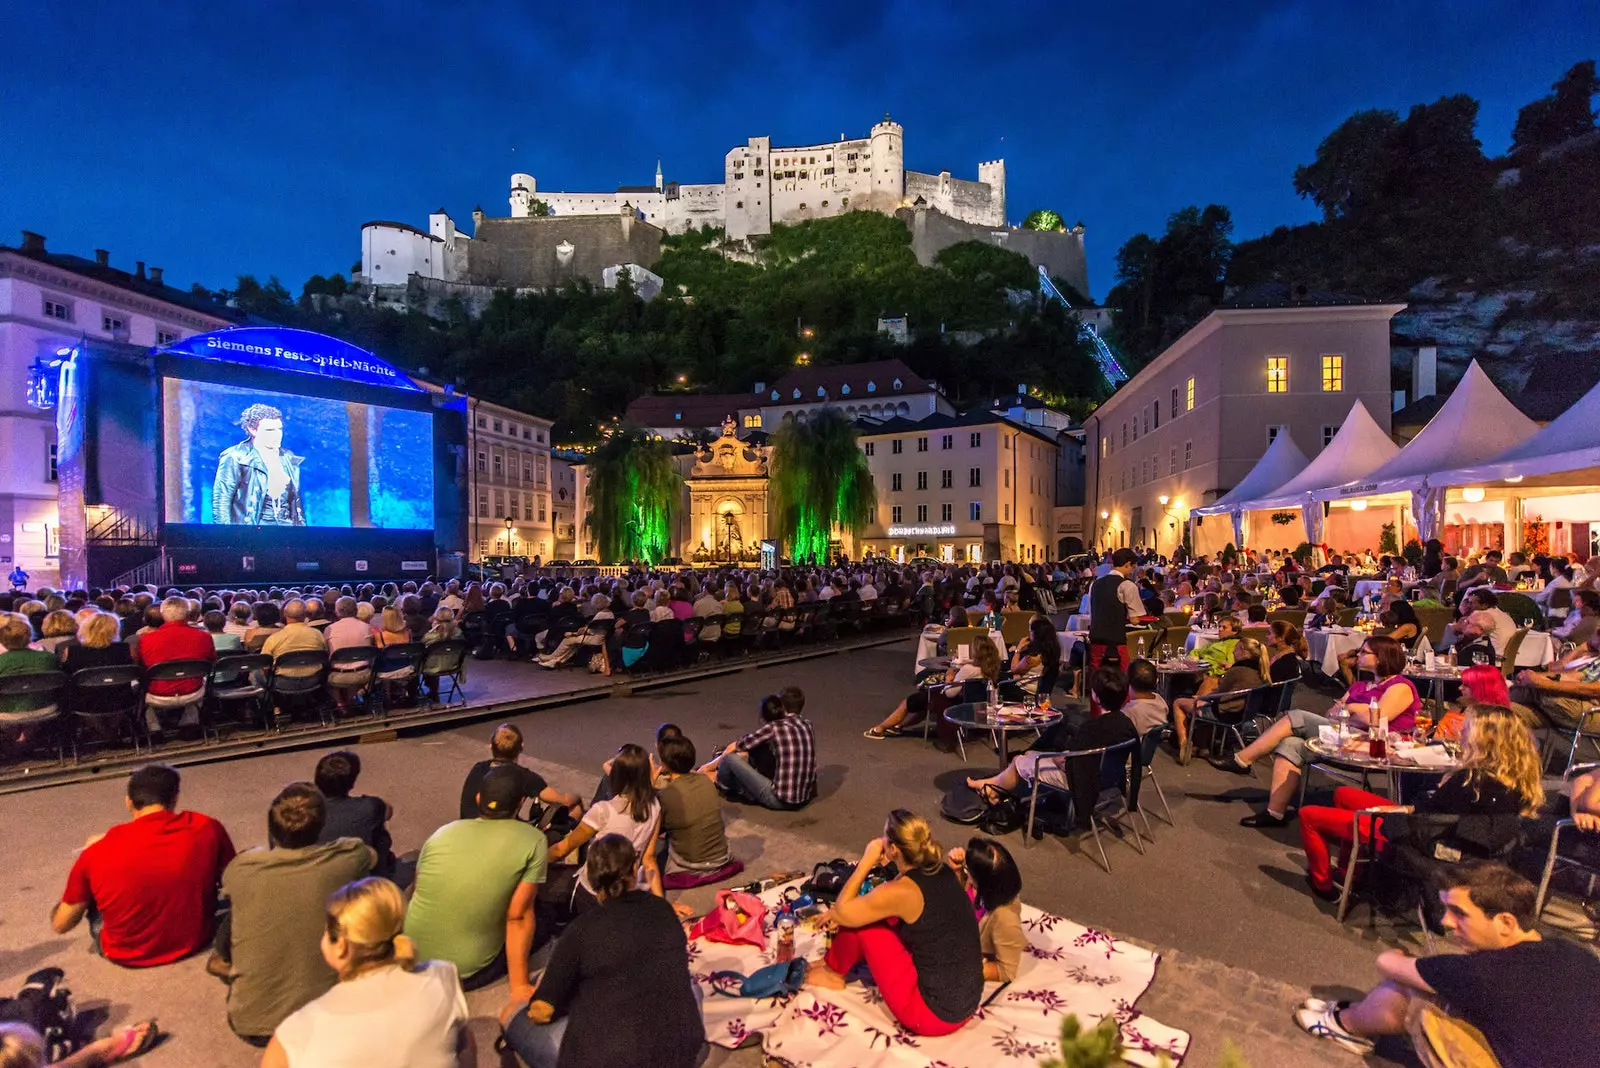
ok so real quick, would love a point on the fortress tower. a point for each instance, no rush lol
(888, 165)
(522, 191)
(993, 174)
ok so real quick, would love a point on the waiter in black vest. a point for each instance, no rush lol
(1113, 601)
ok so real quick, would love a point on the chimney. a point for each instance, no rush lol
(1425, 372)
(32, 242)
(138, 270)
(102, 258)
(155, 277)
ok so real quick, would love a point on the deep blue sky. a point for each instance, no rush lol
(214, 139)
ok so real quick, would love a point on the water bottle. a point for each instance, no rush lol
(994, 697)
(1140, 655)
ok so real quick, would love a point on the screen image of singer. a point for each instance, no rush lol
(235, 456)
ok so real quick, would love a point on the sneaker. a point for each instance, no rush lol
(1324, 1023)
(1264, 819)
(1319, 1005)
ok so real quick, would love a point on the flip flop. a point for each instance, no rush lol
(875, 734)
(132, 1042)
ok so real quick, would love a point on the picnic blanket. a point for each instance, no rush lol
(1067, 968)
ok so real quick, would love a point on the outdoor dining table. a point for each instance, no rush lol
(1010, 719)
(1346, 762)
(1167, 670)
(936, 663)
(1327, 643)
(928, 646)
(1435, 678)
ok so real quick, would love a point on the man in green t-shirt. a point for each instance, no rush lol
(476, 882)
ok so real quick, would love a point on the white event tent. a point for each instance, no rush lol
(1281, 462)
(1476, 424)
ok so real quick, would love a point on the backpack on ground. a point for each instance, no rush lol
(774, 981)
(992, 812)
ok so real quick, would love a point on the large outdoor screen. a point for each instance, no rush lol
(244, 457)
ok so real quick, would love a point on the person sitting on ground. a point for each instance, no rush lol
(148, 886)
(928, 963)
(1391, 697)
(403, 1013)
(1286, 651)
(362, 817)
(985, 665)
(472, 904)
(1243, 673)
(1474, 1007)
(988, 870)
(617, 990)
(691, 810)
(793, 783)
(1146, 708)
(1499, 776)
(1081, 778)
(505, 751)
(266, 946)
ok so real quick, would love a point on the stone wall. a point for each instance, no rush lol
(539, 253)
(1059, 253)
(972, 202)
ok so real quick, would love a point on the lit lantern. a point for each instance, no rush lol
(1472, 494)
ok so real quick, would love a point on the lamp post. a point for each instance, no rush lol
(509, 524)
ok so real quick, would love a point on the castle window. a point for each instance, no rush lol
(824, 203)
(797, 394)
(802, 203)
(774, 394)
(738, 204)
(821, 392)
(845, 389)
(898, 384)
(872, 387)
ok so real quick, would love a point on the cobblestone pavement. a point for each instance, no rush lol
(1241, 941)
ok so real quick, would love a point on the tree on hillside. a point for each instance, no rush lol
(633, 487)
(1043, 219)
(1345, 176)
(819, 484)
(1165, 285)
(1565, 114)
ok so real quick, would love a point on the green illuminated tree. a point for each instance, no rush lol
(819, 482)
(633, 487)
(1043, 219)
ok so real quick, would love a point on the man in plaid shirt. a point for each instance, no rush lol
(794, 780)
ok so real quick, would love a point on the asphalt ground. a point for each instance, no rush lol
(1241, 940)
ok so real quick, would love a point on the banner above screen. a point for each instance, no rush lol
(301, 351)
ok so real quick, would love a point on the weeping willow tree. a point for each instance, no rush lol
(633, 485)
(819, 482)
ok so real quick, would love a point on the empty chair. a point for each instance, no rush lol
(444, 661)
(398, 669)
(105, 703)
(239, 681)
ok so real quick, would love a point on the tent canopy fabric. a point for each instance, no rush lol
(1476, 424)
(1360, 447)
(1571, 442)
(1281, 462)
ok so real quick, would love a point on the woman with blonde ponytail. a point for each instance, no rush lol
(388, 1010)
(929, 965)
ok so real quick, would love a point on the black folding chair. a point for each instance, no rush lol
(296, 681)
(399, 665)
(106, 702)
(1149, 743)
(196, 671)
(1103, 811)
(1260, 705)
(41, 693)
(239, 679)
(442, 661)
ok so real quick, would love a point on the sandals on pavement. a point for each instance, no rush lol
(134, 1040)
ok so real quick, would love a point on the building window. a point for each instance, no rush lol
(1124, 435)
(1174, 467)
(1277, 374)
(527, 435)
(975, 476)
(527, 470)
(1174, 408)
(947, 441)
(483, 504)
(111, 324)
(527, 508)
(1155, 407)
(922, 480)
(1272, 432)
(1006, 515)
(166, 337)
(499, 502)
(1333, 374)
(50, 462)
(1189, 394)
(945, 512)
(976, 512)
(977, 439)
(1008, 478)
(753, 422)
(922, 513)
(513, 512)
(896, 446)
(869, 447)
(1328, 433)
(1188, 454)
(894, 514)
(946, 479)
(1103, 442)
(894, 482)
(541, 510)
(498, 427)
(499, 466)
(1144, 471)
(57, 309)
(483, 462)
(922, 444)
(482, 422)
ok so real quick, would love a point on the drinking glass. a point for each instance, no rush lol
(1480, 658)
(1166, 652)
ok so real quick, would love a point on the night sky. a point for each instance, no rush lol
(215, 139)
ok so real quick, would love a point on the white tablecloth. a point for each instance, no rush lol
(1365, 588)
(928, 647)
(1078, 621)
(1326, 645)
(1198, 639)
(1538, 649)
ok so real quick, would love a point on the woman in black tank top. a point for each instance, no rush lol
(917, 932)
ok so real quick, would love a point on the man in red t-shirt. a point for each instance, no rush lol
(149, 886)
(175, 639)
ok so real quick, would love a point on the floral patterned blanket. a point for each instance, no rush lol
(1067, 968)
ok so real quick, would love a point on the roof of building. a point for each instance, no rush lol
(401, 226)
(688, 410)
(870, 428)
(880, 374)
(1555, 382)
(1285, 295)
(115, 276)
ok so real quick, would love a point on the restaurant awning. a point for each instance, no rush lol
(1569, 444)
(1281, 462)
(1360, 447)
(1476, 424)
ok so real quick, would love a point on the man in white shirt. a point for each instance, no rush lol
(1487, 619)
(346, 630)
(868, 591)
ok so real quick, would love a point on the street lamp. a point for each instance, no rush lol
(509, 524)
